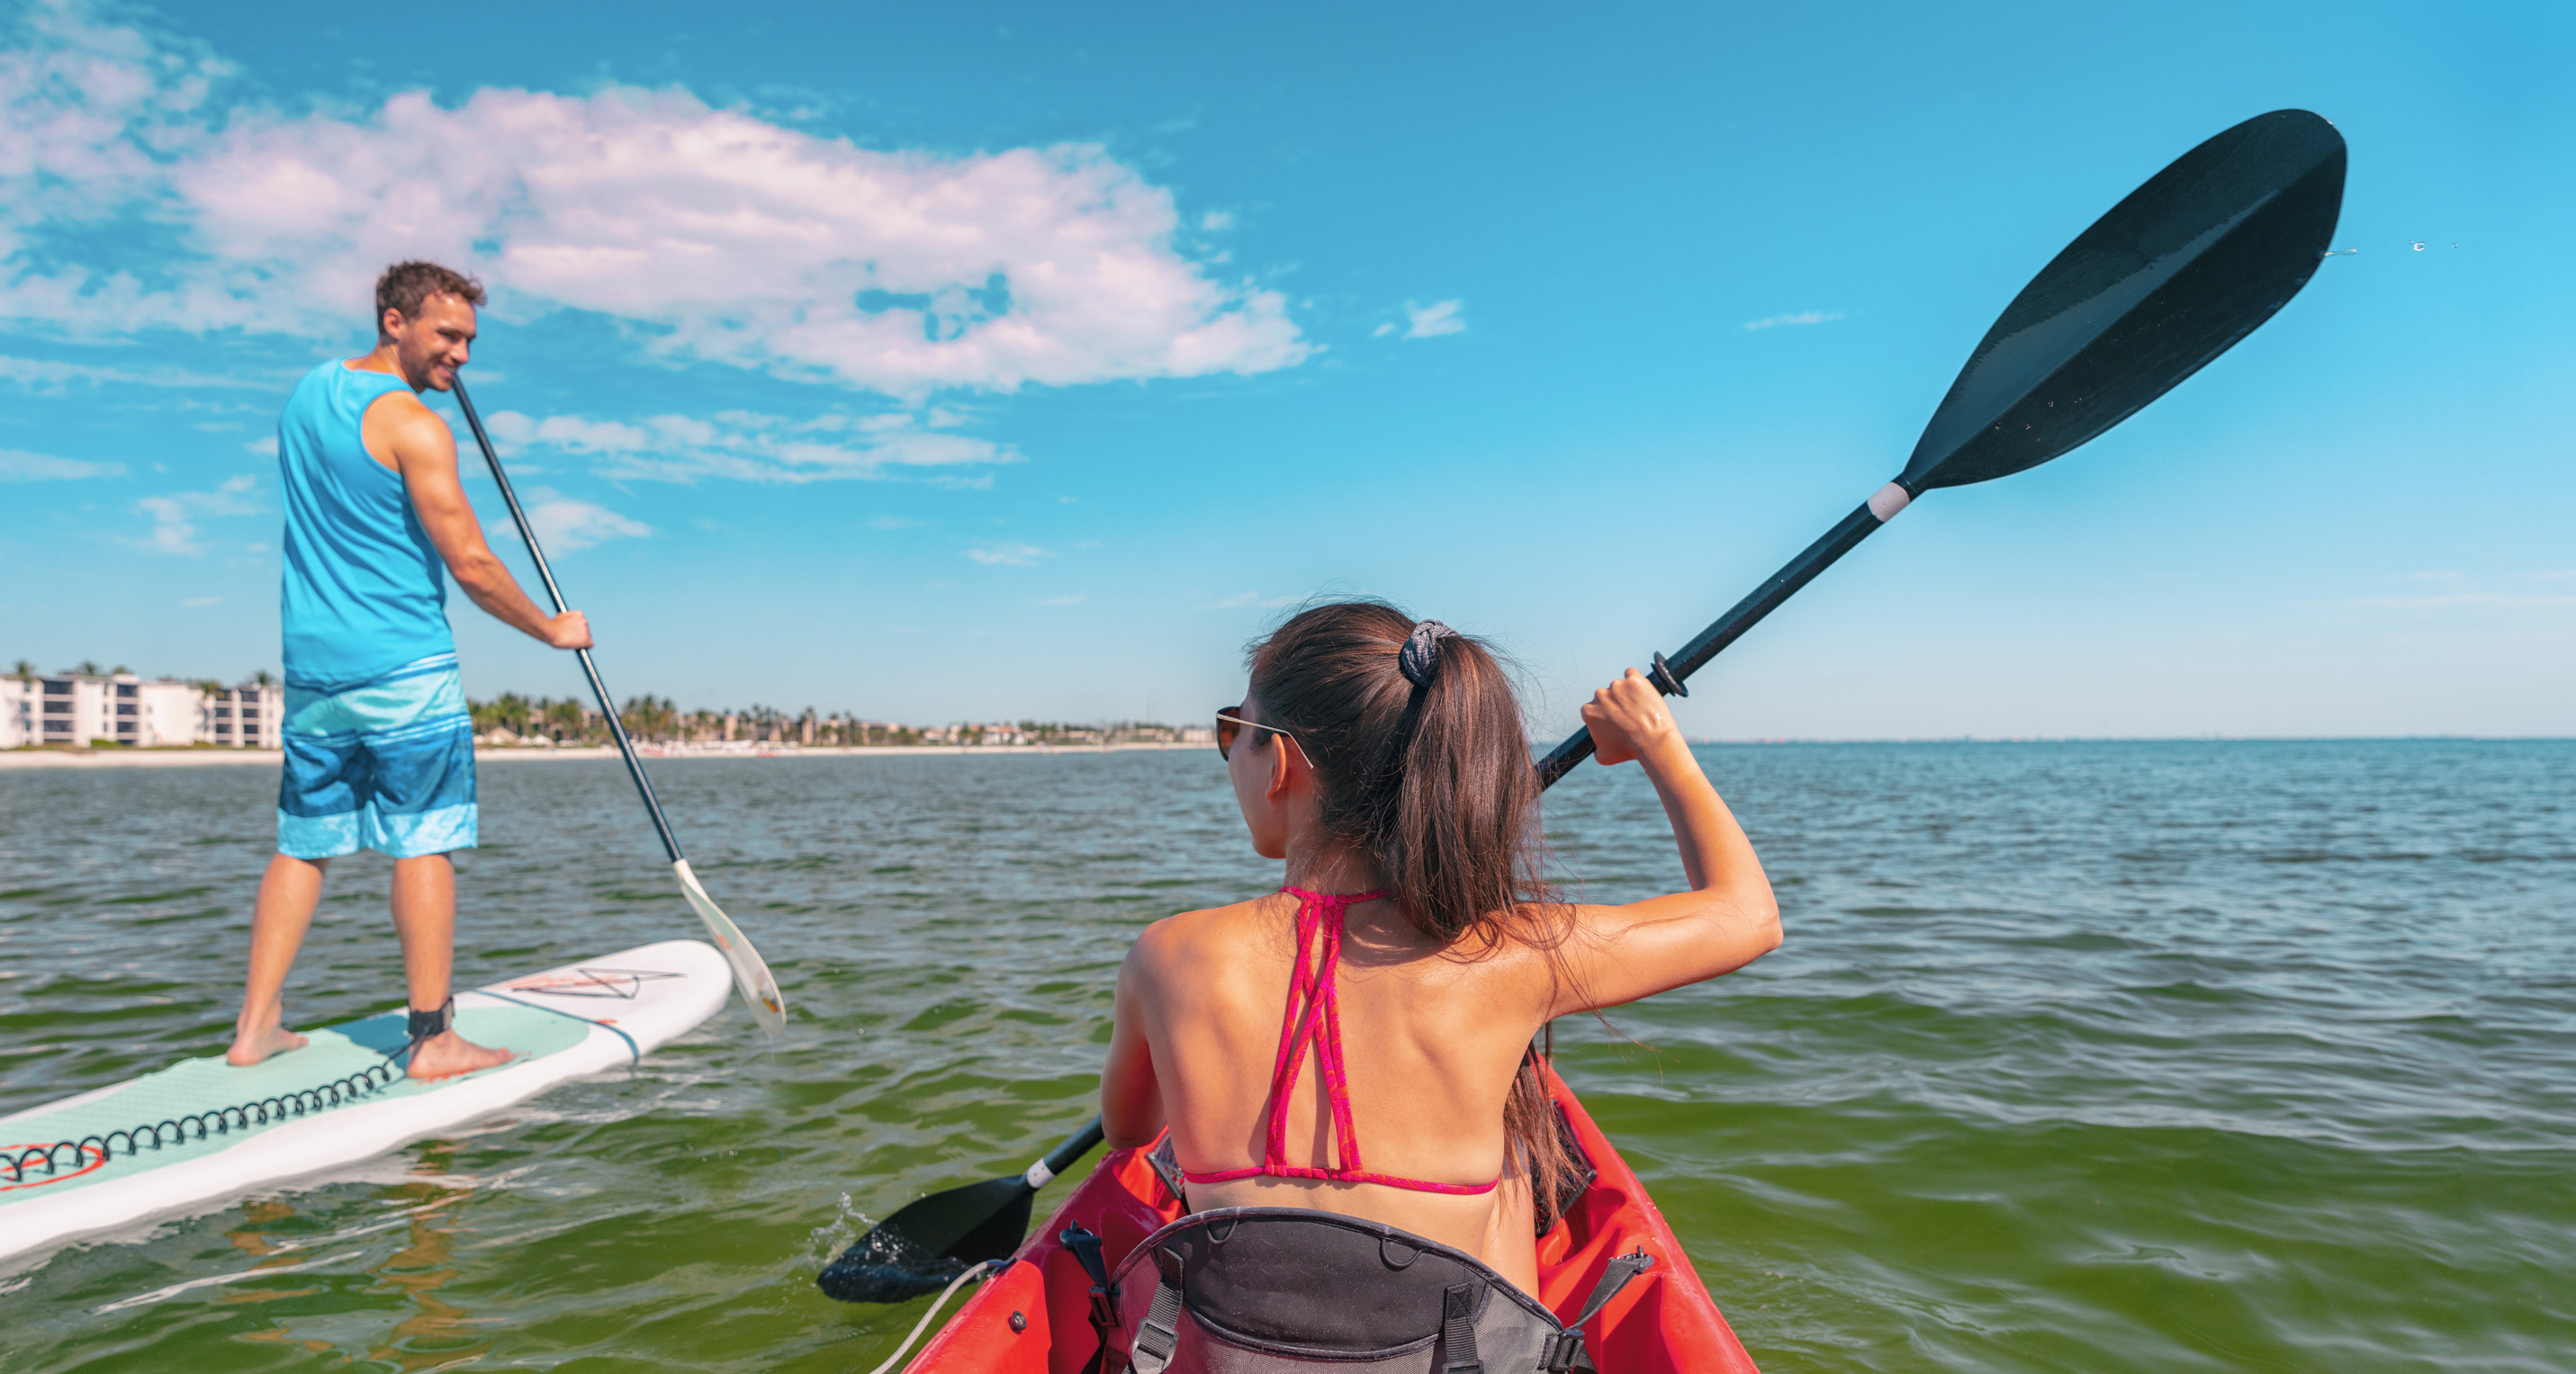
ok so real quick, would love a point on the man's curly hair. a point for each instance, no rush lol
(406, 284)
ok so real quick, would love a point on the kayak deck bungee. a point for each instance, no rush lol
(1034, 1317)
(201, 1132)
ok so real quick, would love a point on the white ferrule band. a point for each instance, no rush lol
(1040, 1175)
(1887, 501)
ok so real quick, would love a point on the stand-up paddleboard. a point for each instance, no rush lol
(202, 1131)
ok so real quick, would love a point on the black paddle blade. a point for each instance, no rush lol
(2188, 264)
(927, 1243)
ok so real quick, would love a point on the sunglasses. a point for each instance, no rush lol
(1228, 726)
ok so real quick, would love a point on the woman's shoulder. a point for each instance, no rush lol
(1185, 934)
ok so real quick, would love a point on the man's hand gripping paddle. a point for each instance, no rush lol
(2175, 275)
(750, 974)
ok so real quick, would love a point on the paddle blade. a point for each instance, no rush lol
(2172, 277)
(928, 1242)
(750, 972)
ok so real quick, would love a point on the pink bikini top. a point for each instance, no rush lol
(1314, 985)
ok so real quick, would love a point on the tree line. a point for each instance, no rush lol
(658, 720)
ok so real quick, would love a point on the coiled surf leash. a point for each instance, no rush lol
(95, 1150)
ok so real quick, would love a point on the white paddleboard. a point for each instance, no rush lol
(202, 1131)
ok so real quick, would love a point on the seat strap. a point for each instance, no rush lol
(1458, 1330)
(1085, 1248)
(1565, 1349)
(1160, 1335)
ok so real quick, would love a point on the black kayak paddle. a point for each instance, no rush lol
(2190, 263)
(2175, 275)
(928, 1242)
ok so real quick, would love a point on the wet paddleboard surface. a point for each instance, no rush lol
(203, 1132)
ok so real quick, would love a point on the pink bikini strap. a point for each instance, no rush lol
(1315, 990)
(1313, 984)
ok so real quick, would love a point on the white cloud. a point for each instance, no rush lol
(1009, 555)
(47, 375)
(16, 465)
(175, 516)
(1432, 321)
(2464, 592)
(265, 445)
(1802, 317)
(1216, 221)
(2517, 599)
(568, 526)
(893, 522)
(746, 445)
(727, 237)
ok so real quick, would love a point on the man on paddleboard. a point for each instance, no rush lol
(379, 746)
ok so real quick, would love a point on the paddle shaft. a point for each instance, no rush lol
(1726, 629)
(598, 689)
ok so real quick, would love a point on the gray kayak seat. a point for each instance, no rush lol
(1288, 1290)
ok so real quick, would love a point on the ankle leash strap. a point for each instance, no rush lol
(428, 1025)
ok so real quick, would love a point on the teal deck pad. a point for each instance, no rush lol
(204, 1085)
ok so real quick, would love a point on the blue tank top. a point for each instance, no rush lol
(365, 591)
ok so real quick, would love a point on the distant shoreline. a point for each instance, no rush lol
(200, 758)
(194, 758)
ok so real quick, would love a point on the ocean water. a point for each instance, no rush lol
(2165, 1056)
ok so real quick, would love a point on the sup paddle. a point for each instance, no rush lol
(750, 974)
(2177, 273)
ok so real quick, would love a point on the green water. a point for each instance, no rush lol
(2101, 1057)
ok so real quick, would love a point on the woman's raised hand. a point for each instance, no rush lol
(1628, 720)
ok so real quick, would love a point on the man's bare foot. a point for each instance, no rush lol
(250, 1047)
(448, 1054)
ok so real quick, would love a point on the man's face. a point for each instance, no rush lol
(431, 345)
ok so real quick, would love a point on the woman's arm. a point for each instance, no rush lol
(1727, 918)
(1131, 1099)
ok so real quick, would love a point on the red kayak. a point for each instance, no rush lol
(1034, 1318)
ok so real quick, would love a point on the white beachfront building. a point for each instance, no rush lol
(80, 709)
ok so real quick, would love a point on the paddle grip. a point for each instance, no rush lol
(1726, 629)
(590, 670)
(1075, 1146)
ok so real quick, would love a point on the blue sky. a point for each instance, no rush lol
(971, 361)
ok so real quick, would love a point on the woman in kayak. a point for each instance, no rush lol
(1418, 949)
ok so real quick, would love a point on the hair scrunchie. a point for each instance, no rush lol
(1419, 659)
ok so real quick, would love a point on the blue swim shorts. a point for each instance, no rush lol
(386, 765)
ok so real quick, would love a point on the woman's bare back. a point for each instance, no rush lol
(1431, 1042)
